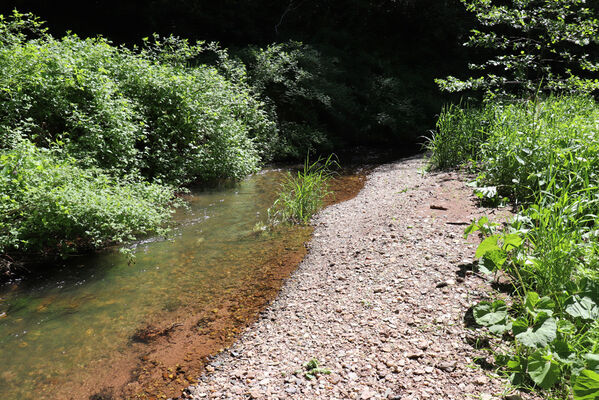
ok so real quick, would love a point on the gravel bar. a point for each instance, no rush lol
(381, 301)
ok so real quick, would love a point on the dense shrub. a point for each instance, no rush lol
(129, 110)
(84, 125)
(49, 205)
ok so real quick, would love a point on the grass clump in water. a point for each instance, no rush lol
(302, 195)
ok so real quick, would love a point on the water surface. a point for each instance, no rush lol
(63, 325)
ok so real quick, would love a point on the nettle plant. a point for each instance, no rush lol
(533, 45)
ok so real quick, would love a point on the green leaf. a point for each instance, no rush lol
(486, 266)
(592, 362)
(563, 352)
(586, 386)
(582, 307)
(543, 370)
(487, 245)
(517, 368)
(497, 257)
(532, 298)
(511, 240)
(535, 305)
(492, 315)
(473, 227)
(543, 332)
(546, 305)
(566, 327)
(487, 192)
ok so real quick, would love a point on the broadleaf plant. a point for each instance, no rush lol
(535, 45)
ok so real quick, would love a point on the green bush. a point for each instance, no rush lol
(148, 110)
(51, 206)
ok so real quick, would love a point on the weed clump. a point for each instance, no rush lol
(312, 369)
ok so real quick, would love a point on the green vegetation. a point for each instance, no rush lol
(533, 140)
(301, 195)
(544, 156)
(50, 205)
(312, 369)
(531, 46)
(95, 138)
(163, 112)
(146, 112)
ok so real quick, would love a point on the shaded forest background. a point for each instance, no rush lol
(371, 64)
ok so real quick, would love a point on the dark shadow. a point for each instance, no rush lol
(104, 394)
(503, 287)
(484, 364)
(478, 342)
(469, 321)
(465, 268)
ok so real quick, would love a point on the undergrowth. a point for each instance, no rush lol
(544, 156)
(49, 205)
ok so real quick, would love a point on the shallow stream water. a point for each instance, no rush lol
(63, 322)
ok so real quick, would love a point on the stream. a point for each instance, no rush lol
(83, 329)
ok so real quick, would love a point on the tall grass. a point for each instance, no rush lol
(543, 155)
(302, 195)
(461, 130)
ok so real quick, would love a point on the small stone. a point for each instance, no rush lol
(415, 355)
(238, 390)
(209, 368)
(352, 376)
(423, 345)
(291, 390)
(367, 394)
(334, 378)
(256, 394)
(447, 366)
(481, 380)
(428, 370)
(486, 396)
(512, 396)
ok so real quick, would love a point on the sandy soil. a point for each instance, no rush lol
(381, 300)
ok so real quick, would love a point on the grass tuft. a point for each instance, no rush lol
(302, 195)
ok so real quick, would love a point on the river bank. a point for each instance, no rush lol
(380, 300)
